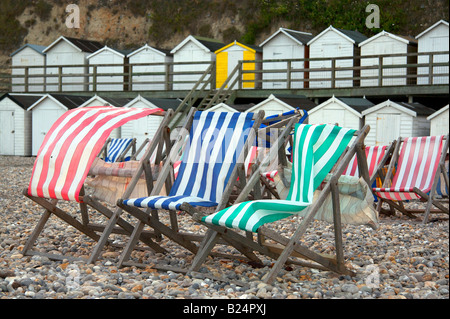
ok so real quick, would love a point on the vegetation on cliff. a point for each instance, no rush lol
(246, 20)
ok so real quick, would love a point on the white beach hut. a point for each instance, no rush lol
(345, 112)
(439, 122)
(390, 120)
(192, 49)
(385, 43)
(151, 60)
(146, 127)
(334, 43)
(32, 58)
(15, 123)
(104, 61)
(45, 112)
(63, 53)
(433, 39)
(282, 45)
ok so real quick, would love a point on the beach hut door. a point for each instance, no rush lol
(6, 133)
(388, 128)
(233, 58)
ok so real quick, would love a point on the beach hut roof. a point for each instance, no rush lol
(80, 44)
(209, 45)
(438, 112)
(164, 104)
(38, 48)
(298, 36)
(65, 101)
(113, 101)
(252, 48)
(404, 39)
(22, 99)
(147, 47)
(414, 109)
(432, 27)
(354, 37)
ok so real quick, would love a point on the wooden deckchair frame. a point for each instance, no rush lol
(149, 216)
(430, 198)
(84, 226)
(291, 245)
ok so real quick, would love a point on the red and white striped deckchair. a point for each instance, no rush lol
(65, 157)
(419, 165)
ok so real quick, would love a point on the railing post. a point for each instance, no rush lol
(59, 78)
(240, 75)
(430, 71)
(380, 71)
(166, 76)
(26, 79)
(130, 78)
(333, 73)
(94, 78)
(288, 74)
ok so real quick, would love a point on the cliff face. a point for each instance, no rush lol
(128, 24)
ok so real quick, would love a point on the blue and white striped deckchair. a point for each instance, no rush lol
(216, 141)
(117, 148)
(316, 150)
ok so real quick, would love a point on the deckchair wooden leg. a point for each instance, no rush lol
(208, 243)
(430, 202)
(36, 232)
(125, 256)
(245, 245)
(50, 206)
(145, 218)
(337, 226)
(105, 235)
(127, 227)
(400, 208)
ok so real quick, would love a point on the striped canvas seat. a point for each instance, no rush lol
(116, 147)
(316, 150)
(417, 164)
(216, 140)
(374, 156)
(70, 147)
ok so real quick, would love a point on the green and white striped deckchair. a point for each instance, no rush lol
(319, 151)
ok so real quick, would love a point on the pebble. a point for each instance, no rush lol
(403, 259)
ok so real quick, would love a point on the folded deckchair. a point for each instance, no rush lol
(442, 185)
(64, 160)
(420, 162)
(115, 149)
(316, 150)
(212, 154)
(377, 157)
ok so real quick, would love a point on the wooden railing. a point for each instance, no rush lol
(361, 71)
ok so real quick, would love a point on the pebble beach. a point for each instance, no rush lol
(402, 259)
